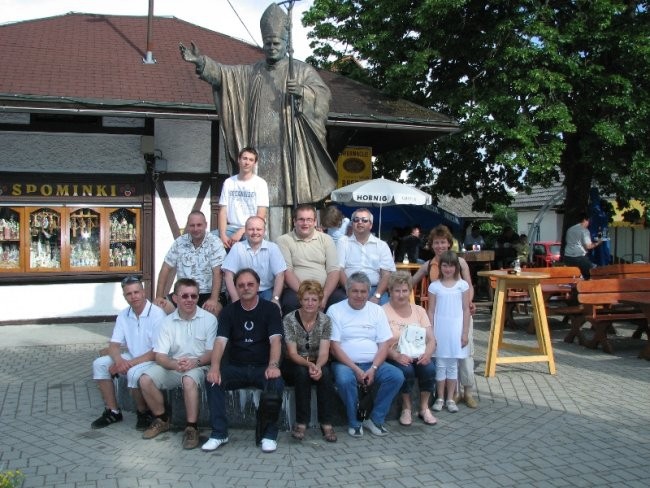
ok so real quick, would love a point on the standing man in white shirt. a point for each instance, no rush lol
(366, 253)
(259, 254)
(242, 195)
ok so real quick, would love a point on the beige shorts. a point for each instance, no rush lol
(167, 379)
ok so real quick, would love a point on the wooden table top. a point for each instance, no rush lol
(523, 276)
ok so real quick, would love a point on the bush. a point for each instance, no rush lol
(11, 479)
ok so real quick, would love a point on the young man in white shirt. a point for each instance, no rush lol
(242, 195)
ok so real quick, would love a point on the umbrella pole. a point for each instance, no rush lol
(379, 230)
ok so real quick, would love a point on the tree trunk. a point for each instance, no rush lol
(578, 175)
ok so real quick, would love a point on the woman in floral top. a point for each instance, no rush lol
(307, 333)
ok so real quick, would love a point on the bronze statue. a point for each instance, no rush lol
(255, 106)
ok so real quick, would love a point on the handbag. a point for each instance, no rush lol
(412, 341)
(364, 401)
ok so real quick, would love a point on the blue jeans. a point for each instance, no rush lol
(234, 377)
(425, 374)
(389, 379)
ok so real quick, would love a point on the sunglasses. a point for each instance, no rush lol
(365, 220)
(130, 279)
(191, 296)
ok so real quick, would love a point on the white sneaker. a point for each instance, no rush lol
(438, 404)
(213, 444)
(378, 430)
(451, 406)
(269, 445)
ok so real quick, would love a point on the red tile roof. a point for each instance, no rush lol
(94, 62)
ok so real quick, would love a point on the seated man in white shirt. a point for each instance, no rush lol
(363, 252)
(361, 337)
(183, 350)
(136, 327)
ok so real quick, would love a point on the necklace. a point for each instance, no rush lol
(307, 325)
(251, 308)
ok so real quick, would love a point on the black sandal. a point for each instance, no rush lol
(328, 433)
(298, 431)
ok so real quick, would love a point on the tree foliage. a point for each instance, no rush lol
(543, 90)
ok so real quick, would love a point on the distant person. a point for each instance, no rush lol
(263, 256)
(577, 246)
(196, 255)
(409, 246)
(523, 249)
(474, 239)
(449, 299)
(504, 252)
(183, 351)
(242, 195)
(334, 222)
(136, 328)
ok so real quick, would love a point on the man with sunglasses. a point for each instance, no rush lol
(198, 255)
(310, 255)
(363, 252)
(252, 329)
(183, 351)
(136, 328)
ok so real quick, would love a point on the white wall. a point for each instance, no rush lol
(70, 153)
(550, 228)
(185, 144)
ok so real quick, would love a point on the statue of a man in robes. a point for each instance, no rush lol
(255, 109)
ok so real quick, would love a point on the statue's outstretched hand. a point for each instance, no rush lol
(191, 54)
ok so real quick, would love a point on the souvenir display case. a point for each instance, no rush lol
(10, 248)
(69, 239)
(44, 238)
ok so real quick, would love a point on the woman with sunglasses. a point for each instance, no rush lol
(307, 333)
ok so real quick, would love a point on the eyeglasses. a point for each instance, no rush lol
(130, 279)
(307, 220)
(365, 220)
(190, 296)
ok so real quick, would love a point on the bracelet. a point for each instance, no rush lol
(274, 364)
(198, 362)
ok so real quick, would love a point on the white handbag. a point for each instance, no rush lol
(412, 340)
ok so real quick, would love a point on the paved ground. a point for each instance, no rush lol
(589, 425)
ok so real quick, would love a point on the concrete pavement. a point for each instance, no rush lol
(589, 425)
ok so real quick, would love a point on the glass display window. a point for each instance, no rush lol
(10, 239)
(84, 238)
(44, 239)
(123, 239)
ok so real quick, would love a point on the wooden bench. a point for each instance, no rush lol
(601, 302)
(621, 271)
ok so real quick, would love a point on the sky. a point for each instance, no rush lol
(217, 15)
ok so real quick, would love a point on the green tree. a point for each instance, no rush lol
(540, 88)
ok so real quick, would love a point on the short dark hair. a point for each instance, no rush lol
(251, 150)
(185, 282)
(246, 270)
(302, 207)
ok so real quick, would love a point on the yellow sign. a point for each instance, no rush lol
(354, 164)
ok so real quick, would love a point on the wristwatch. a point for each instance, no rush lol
(276, 298)
(374, 367)
(378, 295)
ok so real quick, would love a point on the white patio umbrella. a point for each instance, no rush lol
(379, 193)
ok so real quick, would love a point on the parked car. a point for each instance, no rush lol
(545, 253)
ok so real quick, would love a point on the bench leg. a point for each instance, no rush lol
(576, 324)
(600, 337)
